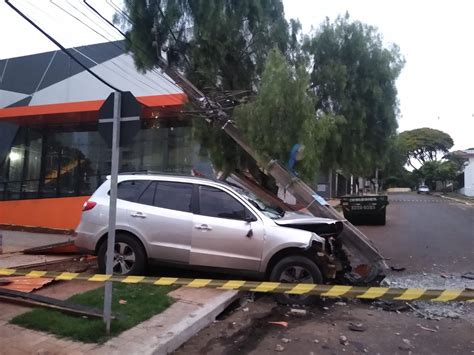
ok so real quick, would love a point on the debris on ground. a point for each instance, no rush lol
(245, 309)
(397, 268)
(426, 328)
(283, 324)
(25, 284)
(298, 312)
(343, 340)
(357, 327)
(279, 348)
(285, 340)
(122, 302)
(407, 345)
(468, 275)
(436, 310)
(57, 248)
(340, 303)
(35, 300)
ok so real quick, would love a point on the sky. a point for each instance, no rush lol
(435, 88)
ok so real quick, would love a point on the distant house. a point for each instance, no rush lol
(467, 186)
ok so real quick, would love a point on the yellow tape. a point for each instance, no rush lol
(266, 287)
(36, 273)
(165, 281)
(67, 276)
(448, 295)
(133, 279)
(99, 278)
(199, 283)
(301, 289)
(232, 285)
(409, 294)
(337, 291)
(373, 292)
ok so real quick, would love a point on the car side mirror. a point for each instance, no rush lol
(250, 218)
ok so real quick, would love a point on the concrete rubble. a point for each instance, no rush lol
(436, 310)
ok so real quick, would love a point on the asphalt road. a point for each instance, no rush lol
(426, 233)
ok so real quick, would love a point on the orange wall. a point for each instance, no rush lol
(60, 213)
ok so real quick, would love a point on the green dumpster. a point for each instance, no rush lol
(365, 209)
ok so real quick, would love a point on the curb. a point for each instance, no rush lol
(457, 200)
(167, 331)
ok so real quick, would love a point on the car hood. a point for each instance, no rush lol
(295, 218)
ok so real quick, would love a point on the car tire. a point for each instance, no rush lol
(297, 269)
(130, 253)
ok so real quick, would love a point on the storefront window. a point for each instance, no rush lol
(50, 161)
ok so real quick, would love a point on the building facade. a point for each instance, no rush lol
(52, 156)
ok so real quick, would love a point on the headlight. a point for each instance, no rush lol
(316, 240)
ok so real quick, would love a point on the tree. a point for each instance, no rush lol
(424, 144)
(435, 170)
(283, 115)
(218, 44)
(353, 75)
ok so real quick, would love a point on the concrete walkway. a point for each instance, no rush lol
(14, 242)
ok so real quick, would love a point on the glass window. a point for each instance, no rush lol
(174, 196)
(217, 203)
(148, 195)
(131, 190)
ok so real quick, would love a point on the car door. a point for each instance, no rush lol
(162, 214)
(221, 235)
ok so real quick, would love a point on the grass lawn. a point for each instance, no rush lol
(143, 301)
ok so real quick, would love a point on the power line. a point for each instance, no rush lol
(132, 76)
(124, 34)
(60, 46)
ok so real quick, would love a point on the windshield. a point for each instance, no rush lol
(269, 210)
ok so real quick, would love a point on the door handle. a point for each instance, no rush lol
(138, 215)
(203, 227)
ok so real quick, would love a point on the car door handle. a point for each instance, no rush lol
(203, 227)
(138, 215)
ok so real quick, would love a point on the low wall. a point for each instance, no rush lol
(398, 189)
(55, 213)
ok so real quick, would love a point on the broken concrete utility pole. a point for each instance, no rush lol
(366, 261)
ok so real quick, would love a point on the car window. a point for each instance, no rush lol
(174, 196)
(217, 203)
(148, 195)
(131, 190)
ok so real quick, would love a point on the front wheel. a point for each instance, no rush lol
(129, 256)
(296, 269)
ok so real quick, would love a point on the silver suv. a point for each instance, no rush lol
(195, 222)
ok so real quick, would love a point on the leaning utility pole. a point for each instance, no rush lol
(361, 251)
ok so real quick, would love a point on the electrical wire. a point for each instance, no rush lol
(124, 34)
(60, 46)
(131, 75)
(112, 61)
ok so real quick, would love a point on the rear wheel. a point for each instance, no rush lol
(296, 269)
(129, 256)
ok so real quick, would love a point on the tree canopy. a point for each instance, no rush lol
(218, 44)
(424, 144)
(283, 115)
(353, 75)
(343, 71)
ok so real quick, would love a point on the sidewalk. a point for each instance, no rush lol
(193, 310)
(13, 242)
(459, 198)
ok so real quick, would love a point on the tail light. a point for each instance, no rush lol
(88, 205)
